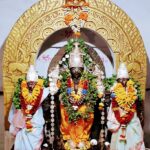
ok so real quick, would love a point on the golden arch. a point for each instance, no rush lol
(46, 17)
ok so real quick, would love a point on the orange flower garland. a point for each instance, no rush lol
(78, 97)
(124, 99)
(83, 16)
(30, 101)
(76, 14)
(68, 18)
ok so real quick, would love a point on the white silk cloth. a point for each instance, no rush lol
(134, 133)
(25, 140)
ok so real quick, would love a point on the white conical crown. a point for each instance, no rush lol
(122, 71)
(76, 56)
(32, 74)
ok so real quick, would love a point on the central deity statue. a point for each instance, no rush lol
(75, 94)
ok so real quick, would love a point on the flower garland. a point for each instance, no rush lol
(17, 92)
(30, 101)
(31, 97)
(16, 96)
(126, 118)
(124, 98)
(77, 99)
(76, 14)
(87, 94)
(88, 90)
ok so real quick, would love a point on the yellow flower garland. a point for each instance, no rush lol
(125, 97)
(31, 97)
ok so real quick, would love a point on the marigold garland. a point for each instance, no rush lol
(30, 101)
(31, 97)
(124, 98)
(125, 119)
(68, 18)
(76, 14)
(83, 16)
(77, 98)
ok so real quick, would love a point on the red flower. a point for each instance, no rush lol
(69, 82)
(85, 85)
(24, 104)
(125, 119)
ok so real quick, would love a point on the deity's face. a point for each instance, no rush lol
(76, 72)
(123, 81)
(31, 85)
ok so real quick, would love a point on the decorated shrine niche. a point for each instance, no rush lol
(74, 44)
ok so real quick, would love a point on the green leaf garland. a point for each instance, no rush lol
(90, 98)
(16, 97)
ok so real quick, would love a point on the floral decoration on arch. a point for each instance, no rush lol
(76, 14)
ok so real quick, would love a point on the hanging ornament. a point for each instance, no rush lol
(76, 14)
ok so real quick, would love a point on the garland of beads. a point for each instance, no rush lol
(102, 122)
(52, 106)
(50, 132)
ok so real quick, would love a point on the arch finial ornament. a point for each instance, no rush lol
(47, 16)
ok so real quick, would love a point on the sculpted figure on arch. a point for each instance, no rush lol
(124, 113)
(76, 91)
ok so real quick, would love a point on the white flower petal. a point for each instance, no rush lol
(93, 142)
(67, 56)
(64, 59)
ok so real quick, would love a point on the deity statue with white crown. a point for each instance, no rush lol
(26, 115)
(72, 111)
(125, 115)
